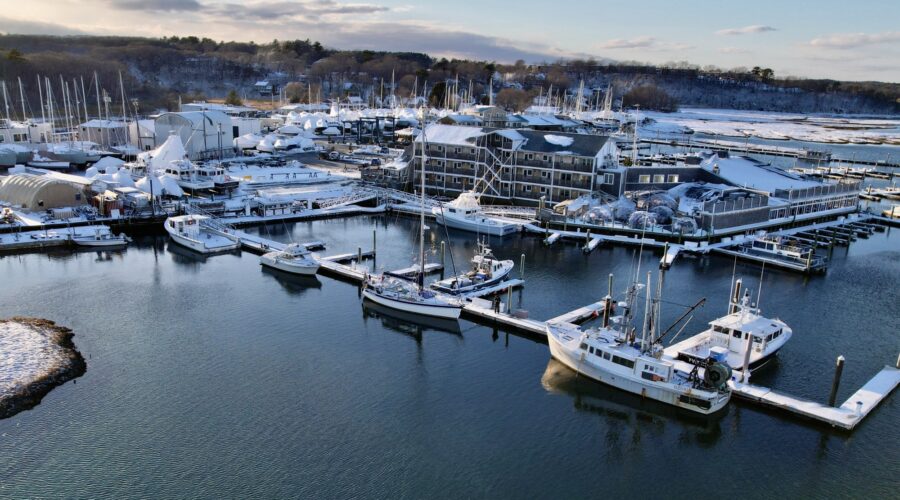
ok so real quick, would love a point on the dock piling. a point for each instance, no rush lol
(745, 370)
(443, 248)
(838, 370)
(522, 273)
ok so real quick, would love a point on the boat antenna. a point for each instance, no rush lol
(731, 290)
(759, 293)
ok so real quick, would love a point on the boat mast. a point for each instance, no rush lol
(22, 98)
(41, 99)
(647, 320)
(421, 280)
(6, 102)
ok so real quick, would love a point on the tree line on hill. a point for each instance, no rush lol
(157, 72)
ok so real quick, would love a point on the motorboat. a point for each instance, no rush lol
(729, 337)
(786, 251)
(102, 237)
(294, 259)
(465, 213)
(486, 271)
(200, 234)
(615, 357)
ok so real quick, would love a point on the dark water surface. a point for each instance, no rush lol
(214, 378)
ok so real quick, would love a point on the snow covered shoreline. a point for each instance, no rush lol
(36, 355)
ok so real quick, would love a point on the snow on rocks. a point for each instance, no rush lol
(36, 355)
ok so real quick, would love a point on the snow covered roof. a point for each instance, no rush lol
(563, 143)
(451, 134)
(748, 173)
(103, 124)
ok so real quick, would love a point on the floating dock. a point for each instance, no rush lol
(847, 416)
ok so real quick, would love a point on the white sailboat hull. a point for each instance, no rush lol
(659, 392)
(437, 311)
(100, 243)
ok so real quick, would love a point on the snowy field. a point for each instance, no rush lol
(776, 126)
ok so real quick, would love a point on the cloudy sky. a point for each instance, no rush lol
(857, 40)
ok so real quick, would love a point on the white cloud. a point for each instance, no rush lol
(733, 50)
(628, 43)
(746, 30)
(22, 27)
(852, 40)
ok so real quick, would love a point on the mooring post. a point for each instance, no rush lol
(897, 365)
(522, 268)
(838, 369)
(374, 249)
(359, 256)
(443, 247)
(509, 300)
(745, 370)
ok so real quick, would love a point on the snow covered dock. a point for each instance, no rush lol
(847, 416)
(36, 355)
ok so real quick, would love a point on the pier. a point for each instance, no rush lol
(846, 416)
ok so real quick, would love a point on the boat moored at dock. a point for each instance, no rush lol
(465, 213)
(486, 271)
(727, 339)
(294, 259)
(102, 237)
(197, 233)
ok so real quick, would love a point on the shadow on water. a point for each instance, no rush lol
(412, 325)
(294, 284)
(620, 407)
(189, 258)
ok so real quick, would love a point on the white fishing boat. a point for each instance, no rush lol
(727, 339)
(486, 271)
(784, 251)
(613, 356)
(294, 259)
(413, 297)
(465, 213)
(197, 233)
(102, 237)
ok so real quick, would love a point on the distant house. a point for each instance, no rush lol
(265, 88)
(458, 119)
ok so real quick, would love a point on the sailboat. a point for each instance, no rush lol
(403, 295)
(614, 357)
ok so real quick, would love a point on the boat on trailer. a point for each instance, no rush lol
(486, 271)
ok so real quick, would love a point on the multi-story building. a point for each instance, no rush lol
(516, 166)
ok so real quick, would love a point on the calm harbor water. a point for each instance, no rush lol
(215, 378)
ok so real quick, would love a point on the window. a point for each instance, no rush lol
(609, 179)
(565, 177)
(545, 174)
(644, 179)
(583, 346)
(659, 178)
(673, 178)
(543, 190)
(720, 329)
(591, 350)
(527, 189)
(457, 150)
(623, 361)
(606, 356)
(736, 334)
(529, 156)
(546, 157)
(529, 172)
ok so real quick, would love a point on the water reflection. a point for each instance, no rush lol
(294, 284)
(625, 412)
(413, 325)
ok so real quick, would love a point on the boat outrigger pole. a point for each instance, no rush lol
(680, 318)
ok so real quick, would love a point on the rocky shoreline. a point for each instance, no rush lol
(36, 355)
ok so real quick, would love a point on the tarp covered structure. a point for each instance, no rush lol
(39, 192)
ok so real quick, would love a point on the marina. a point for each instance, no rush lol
(290, 270)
